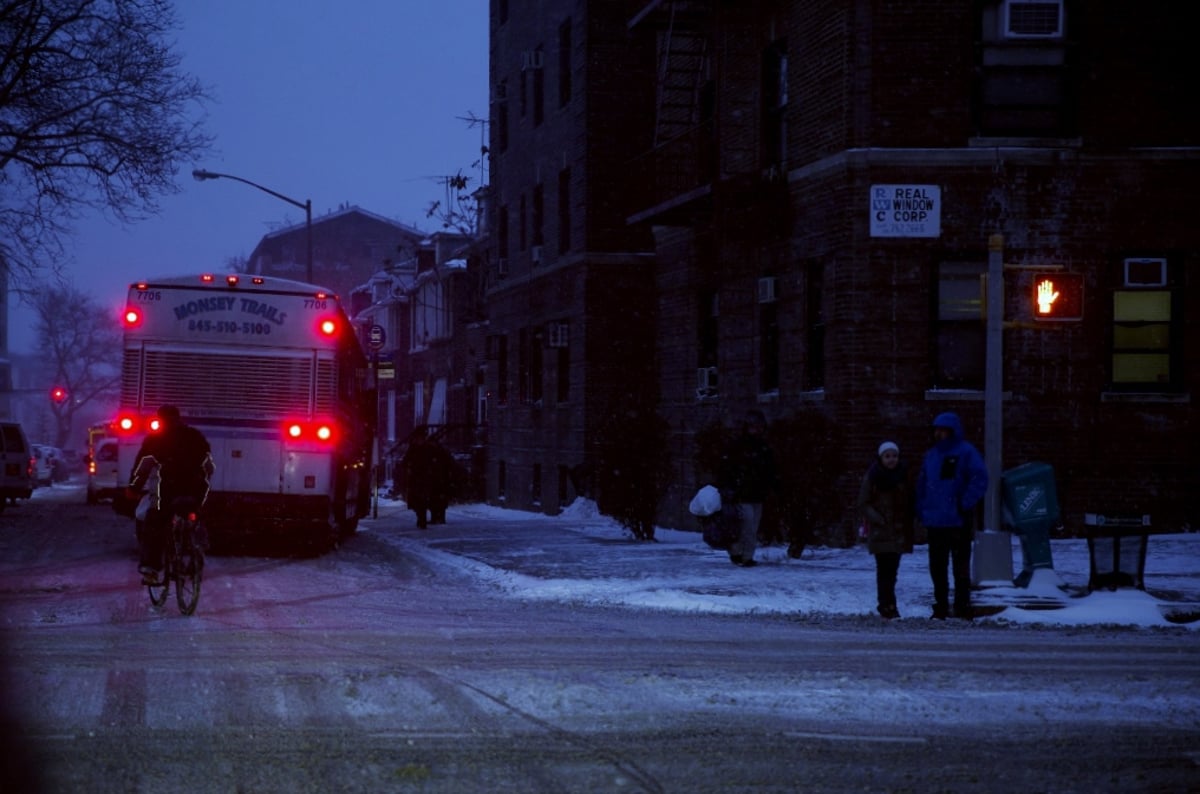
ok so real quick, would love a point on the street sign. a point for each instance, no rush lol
(376, 336)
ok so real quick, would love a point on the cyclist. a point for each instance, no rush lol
(183, 460)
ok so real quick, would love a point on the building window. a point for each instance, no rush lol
(500, 116)
(707, 342)
(501, 480)
(814, 327)
(522, 226)
(564, 483)
(775, 99)
(523, 105)
(564, 63)
(481, 397)
(535, 486)
(1023, 73)
(539, 214)
(564, 210)
(768, 335)
(497, 350)
(529, 365)
(563, 374)
(1147, 328)
(959, 338)
(502, 234)
(539, 91)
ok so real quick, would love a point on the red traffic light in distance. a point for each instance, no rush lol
(1057, 296)
(58, 395)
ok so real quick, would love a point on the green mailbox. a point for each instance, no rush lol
(1030, 501)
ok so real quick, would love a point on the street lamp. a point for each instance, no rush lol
(200, 175)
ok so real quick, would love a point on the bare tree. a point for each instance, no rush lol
(459, 210)
(81, 342)
(95, 113)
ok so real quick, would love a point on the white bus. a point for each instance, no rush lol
(271, 371)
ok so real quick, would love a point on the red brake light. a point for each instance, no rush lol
(328, 327)
(207, 278)
(323, 432)
(232, 280)
(154, 425)
(133, 318)
(126, 423)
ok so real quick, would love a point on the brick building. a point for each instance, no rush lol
(821, 182)
(570, 283)
(349, 246)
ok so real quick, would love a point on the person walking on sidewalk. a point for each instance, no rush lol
(885, 504)
(747, 474)
(952, 481)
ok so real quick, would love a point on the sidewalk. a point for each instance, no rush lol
(580, 556)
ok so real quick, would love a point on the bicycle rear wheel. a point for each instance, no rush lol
(187, 580)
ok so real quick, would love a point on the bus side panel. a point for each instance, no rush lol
(245, 460)
(307, 473)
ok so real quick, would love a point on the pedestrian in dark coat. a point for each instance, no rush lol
(885, 503)
(746, 476)
(428, 475)
(952, 481)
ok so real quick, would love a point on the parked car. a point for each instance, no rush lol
(104, 472)
(16, 464)
(43, 464)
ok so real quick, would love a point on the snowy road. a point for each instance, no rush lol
(376, 668)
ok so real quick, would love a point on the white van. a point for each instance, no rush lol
(16, 464)
(104, 471)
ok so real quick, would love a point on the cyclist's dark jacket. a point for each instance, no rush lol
(184, 461)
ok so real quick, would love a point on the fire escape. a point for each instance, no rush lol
(681, 162)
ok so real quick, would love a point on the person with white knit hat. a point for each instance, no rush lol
(885, 503)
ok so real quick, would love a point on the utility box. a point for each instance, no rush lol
(1030, 501)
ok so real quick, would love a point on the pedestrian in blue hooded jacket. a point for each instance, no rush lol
(952, 481)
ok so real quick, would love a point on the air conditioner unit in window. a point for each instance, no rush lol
(706, 382)
(766, 289)
(557, 334)
(535, 254)
(1033, 19)
(531, 59)
(1145, 272)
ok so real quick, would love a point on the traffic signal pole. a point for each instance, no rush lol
(993, 548)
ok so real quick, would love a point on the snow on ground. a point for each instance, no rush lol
(678, 572)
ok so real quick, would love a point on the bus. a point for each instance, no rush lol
(272, 372)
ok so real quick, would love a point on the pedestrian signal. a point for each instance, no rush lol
(1058, 296)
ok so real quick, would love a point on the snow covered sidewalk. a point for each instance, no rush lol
(580, 556)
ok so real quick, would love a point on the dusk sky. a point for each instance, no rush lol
(359, 102)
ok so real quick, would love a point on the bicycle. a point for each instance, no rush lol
(183, 559)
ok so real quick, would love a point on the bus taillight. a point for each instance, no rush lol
(154, 425)
(126, 423)
(323, 432)
(328, 327)
(132, 318)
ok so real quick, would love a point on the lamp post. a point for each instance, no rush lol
(201, 175)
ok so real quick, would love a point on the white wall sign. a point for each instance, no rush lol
(906, 211)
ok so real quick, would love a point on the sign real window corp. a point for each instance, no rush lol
(906, 210)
